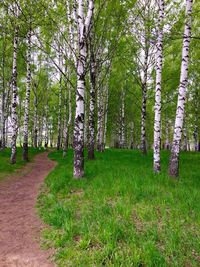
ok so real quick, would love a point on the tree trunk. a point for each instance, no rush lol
(83, 29)
(106, 113)
(157, 119)
(59, 104)
(196, 121)
(143, 144)
(132, 135)
(35, 119)
(85, 120)
(175, 151)
(100, 119)
(27, 100)
(40, 135)
(167, 143)
(143, 120)
(46, 137)
(14, 100)
(122, 122)
(67, 124)
(91, 135)
(3, 119)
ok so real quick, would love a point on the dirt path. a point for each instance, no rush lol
(19, 223)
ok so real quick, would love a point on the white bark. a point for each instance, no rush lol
(27, 99)
(196, 121)
(83, 30)
(3, 117)
(159, 60)
(60, 99)
(72, 43)
(175, 151)
(85, 121)
(40, 132)
(122, 121)
(91, 136)
(106, 112)
(35, 118)
(14, 125)
(46, 134)
(100, 117)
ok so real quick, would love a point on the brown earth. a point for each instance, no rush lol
(20, 225)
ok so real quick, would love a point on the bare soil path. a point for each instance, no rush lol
(19, 223)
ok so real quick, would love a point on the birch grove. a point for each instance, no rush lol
(87, 76)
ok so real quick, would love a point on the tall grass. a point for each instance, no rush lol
(121, 214)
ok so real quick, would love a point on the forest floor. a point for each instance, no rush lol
(20, 225)
(121, 213)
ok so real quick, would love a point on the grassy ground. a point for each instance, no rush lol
(122, 214)
(6, 168)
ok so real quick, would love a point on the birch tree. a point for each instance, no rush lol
(159, 59)
(178, 127)
(83, 24)
(100, 117)
(14, 125)
(71, 55)
(27, 100)
(60, 97)
(122, 121)
(91, 135)
(106, 110)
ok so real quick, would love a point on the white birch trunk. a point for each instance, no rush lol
(46, 136)
(85, 120)
(157, 118)
(196, 121)
(83, 30)
(65, 125)
(68, 123)
(40, 135)
(91, 136)
(71, 53)
(3, 117)
(175, 151)
(14, 99)
(59, 102)
(122, 121)
(35, 119)
(106, 113)
(27, 99)
(143, 145)
(100, 119)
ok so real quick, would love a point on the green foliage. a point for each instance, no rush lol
(121, 214)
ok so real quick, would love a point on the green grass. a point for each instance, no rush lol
(6, 168)
(122, 214)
